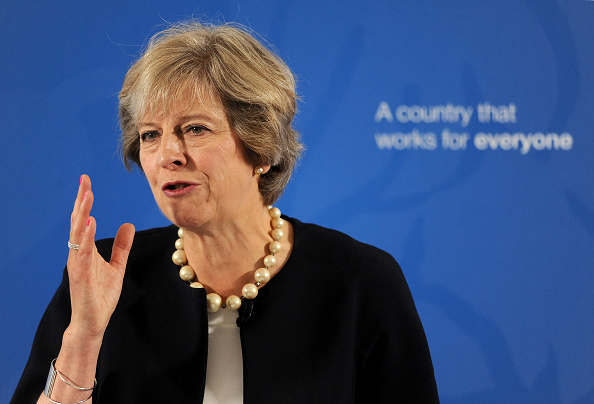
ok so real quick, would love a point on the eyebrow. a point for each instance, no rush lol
(184, 118)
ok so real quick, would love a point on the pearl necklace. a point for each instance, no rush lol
(250, 290)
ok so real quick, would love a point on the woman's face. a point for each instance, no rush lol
(196, 165)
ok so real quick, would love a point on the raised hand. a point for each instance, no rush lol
(95, 285)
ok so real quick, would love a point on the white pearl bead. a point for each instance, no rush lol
(179, 243)
(274, 247)
(233, 302)
(262, 275)
(196, 285)
(250, 291)
(277, 234)
(179, 257)
(180, 232)
(278, 223)
(274, 213)
(213, 302)
(186, 273)
(269, 261)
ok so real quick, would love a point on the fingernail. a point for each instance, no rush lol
(81, 179)
(85, 195)
(88, 222)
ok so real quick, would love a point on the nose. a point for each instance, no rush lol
(172, 154)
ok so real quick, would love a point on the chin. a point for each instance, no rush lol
(187, 220)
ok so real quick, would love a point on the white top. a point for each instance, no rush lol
(224, 367)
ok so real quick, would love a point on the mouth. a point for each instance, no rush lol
(177, 188)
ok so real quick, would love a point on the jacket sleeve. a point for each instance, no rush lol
(395, 364)
(46, 346)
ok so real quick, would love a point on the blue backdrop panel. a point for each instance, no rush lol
(455, 135)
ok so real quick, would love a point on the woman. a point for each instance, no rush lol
(239, 304)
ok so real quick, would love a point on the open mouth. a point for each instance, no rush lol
(177, 188)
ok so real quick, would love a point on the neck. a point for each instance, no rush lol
(226, 254)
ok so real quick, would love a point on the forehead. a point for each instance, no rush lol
(186, 100)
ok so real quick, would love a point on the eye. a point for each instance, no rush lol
(148, 135)
(195, 129)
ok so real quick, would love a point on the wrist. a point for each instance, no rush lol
(80, 346)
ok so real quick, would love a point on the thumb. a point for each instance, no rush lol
(121, 246)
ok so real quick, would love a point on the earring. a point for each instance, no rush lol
(259, 170)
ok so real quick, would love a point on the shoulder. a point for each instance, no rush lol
(317, 236)
(340, 253)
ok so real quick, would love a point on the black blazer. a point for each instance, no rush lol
(336, 324)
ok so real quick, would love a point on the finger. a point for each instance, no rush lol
(80, 222)
(83, 190)
(85, 185)
(121, 246)
(84, 256)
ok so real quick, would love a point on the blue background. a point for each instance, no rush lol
(497, 246)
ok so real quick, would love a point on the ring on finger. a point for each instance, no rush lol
(73, 246)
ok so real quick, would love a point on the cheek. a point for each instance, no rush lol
(235, 167)
(146, 166)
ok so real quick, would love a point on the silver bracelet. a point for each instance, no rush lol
(78, 402)
(51, 378)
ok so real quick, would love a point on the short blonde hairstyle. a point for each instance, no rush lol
(255, 87)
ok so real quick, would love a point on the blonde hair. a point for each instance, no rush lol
(255, 87)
